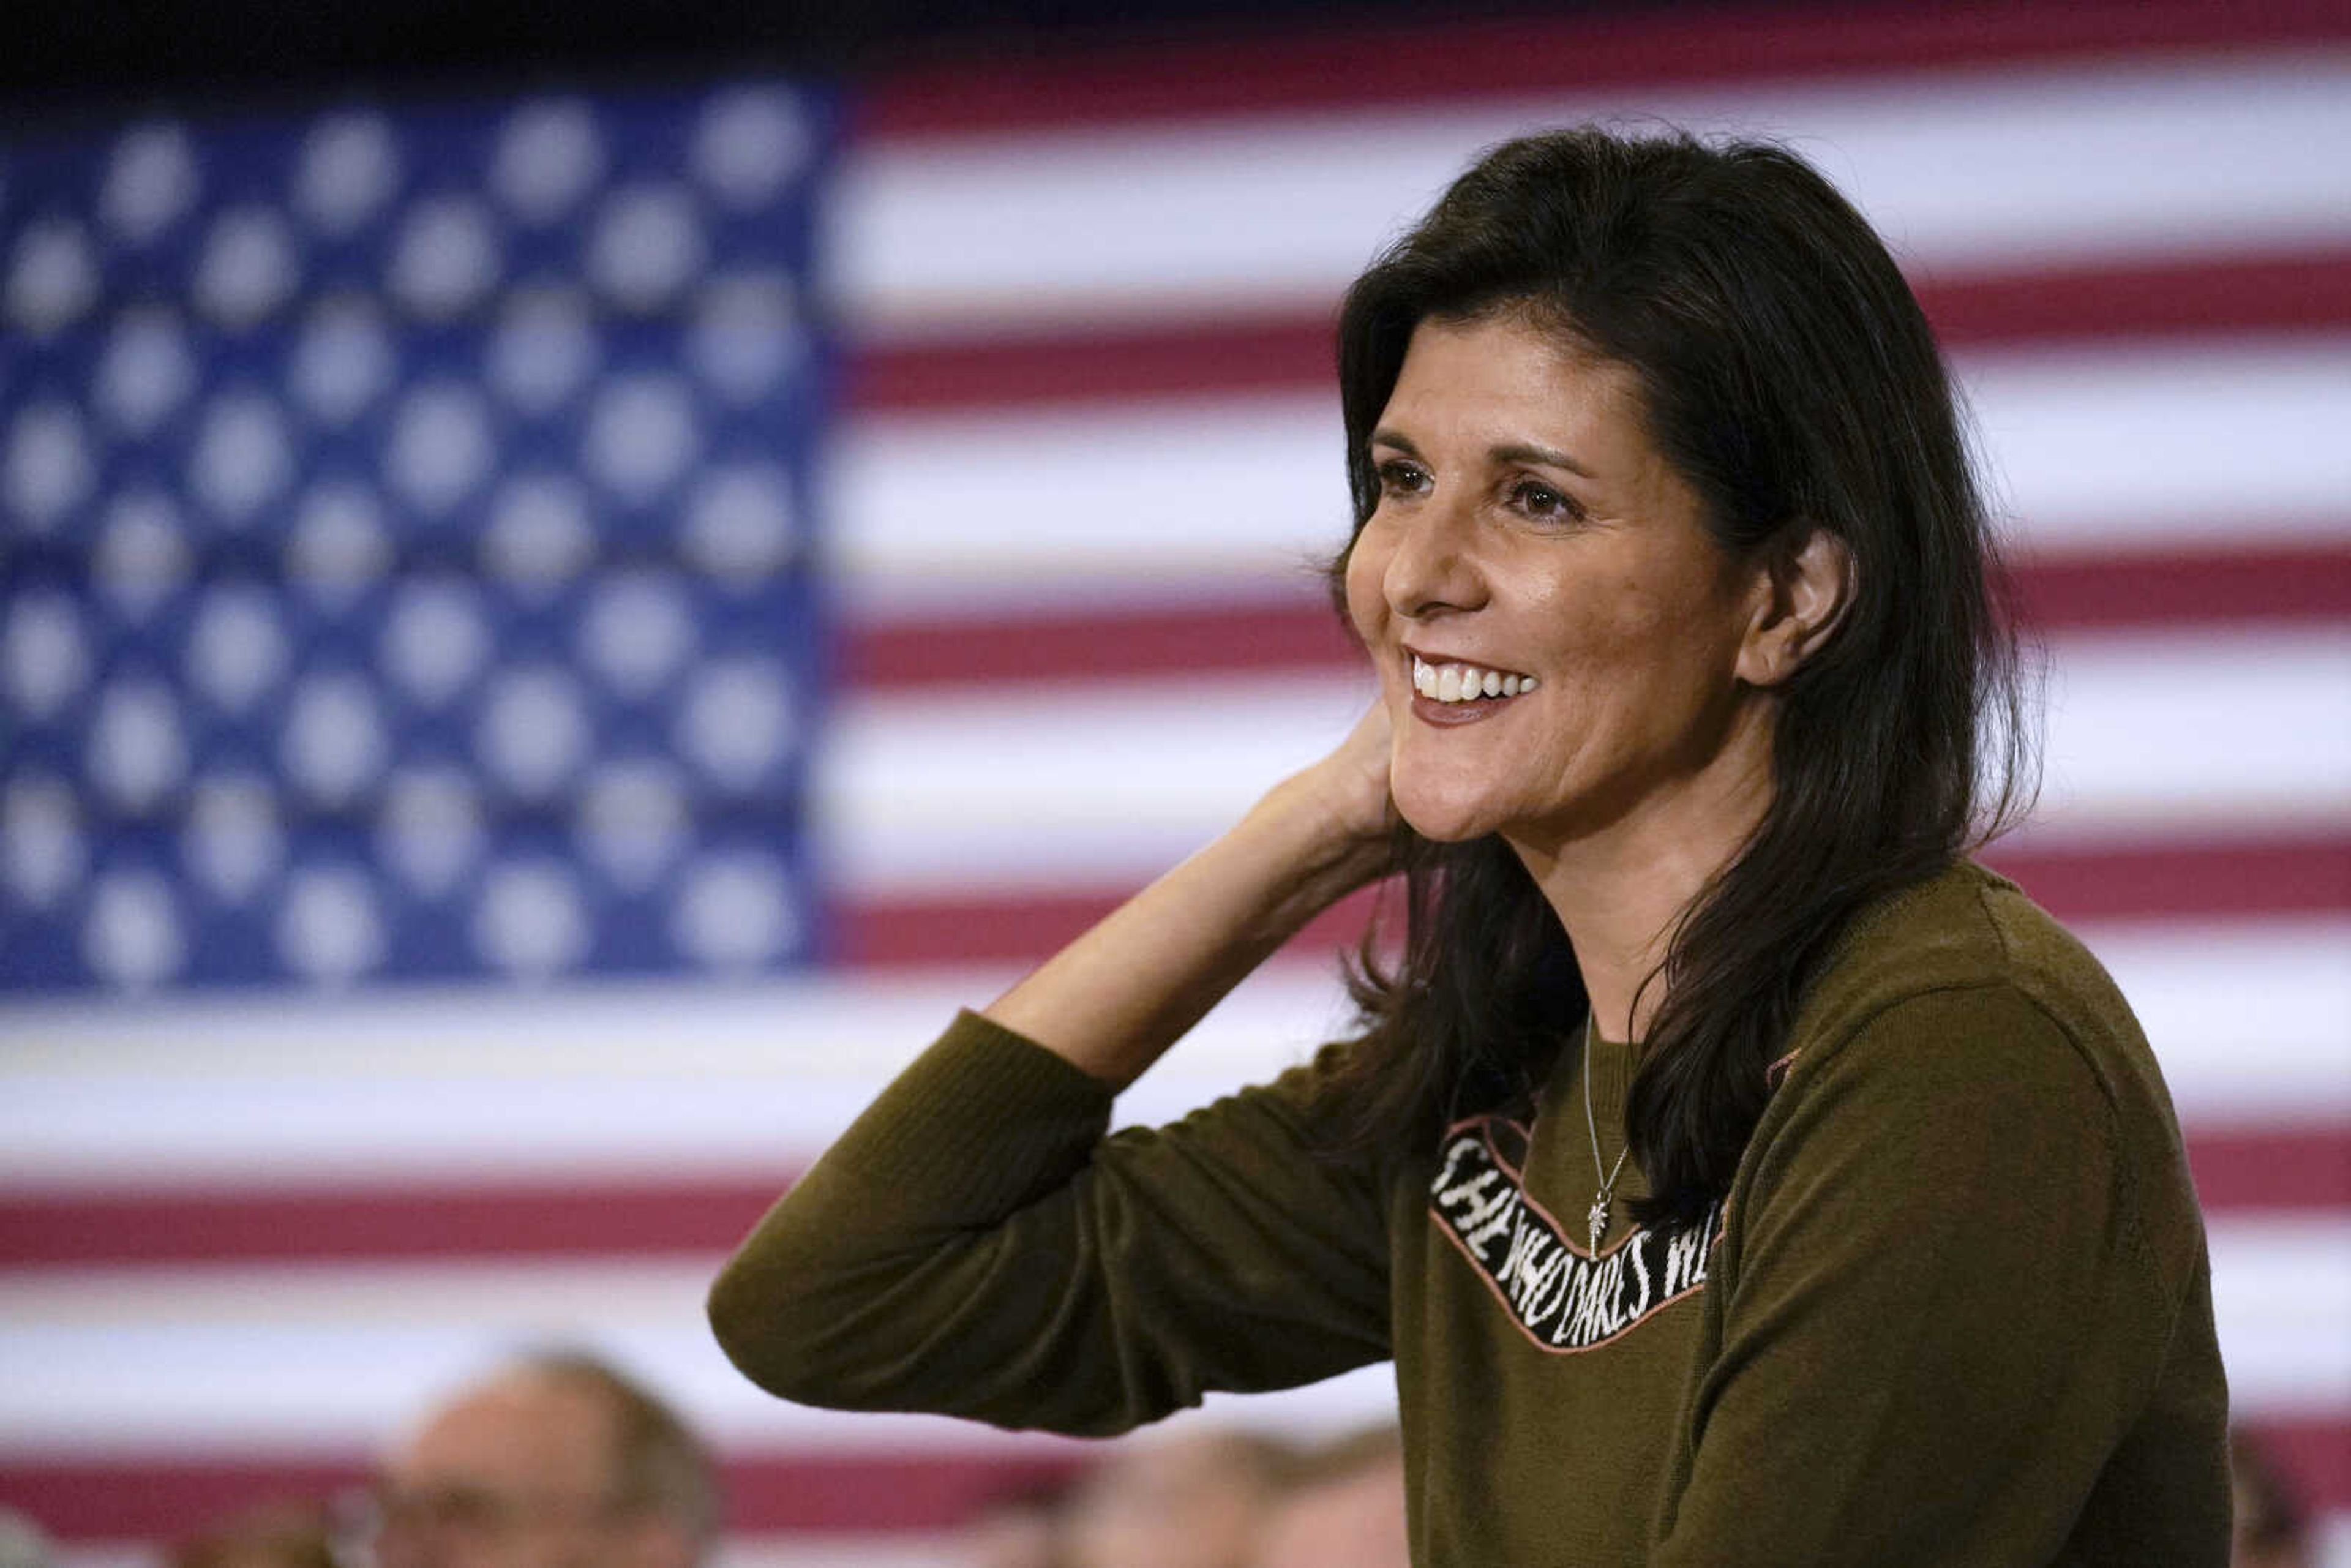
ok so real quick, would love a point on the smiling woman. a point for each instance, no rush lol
(1644, 654)
(1680, 591)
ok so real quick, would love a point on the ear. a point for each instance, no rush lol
(1800, 594)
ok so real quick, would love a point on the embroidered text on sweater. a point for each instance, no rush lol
(1561, 1296)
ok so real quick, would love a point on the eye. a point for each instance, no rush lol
(1545, 504)
(1402, 477)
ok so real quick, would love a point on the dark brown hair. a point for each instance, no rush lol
(1789, 376)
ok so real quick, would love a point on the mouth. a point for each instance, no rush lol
(1455, 682)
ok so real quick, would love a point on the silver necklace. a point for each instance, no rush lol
(1597, 1216)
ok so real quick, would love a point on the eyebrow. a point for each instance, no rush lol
(1513, 452)
(1544, 456)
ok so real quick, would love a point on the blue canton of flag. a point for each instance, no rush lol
(407, 569)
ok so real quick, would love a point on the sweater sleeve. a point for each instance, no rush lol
(1942, 1314)
(974, 1245)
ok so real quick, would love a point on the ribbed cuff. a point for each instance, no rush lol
(979, 1125)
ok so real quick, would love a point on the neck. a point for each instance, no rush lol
(1619, 891)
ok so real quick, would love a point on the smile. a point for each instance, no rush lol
(1465, 682)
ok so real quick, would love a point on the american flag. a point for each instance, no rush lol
(546, 645)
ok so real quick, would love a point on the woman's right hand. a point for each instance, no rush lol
(1113, 999)
(1346, 793)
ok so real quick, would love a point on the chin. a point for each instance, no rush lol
(1442, 821)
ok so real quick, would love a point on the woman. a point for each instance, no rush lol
(1735, 1174)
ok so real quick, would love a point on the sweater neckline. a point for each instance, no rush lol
(1562, 1143)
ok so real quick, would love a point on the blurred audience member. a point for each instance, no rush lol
(1341, 1507)
(557, 1461)
(277, 1535)
(1190, 1501)
(23, 1543)
(2269, 1530)
(1019, 1530)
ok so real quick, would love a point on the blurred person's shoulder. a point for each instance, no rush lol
(23, 1543)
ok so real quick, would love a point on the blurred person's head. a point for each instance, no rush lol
(1343, 1506)
(1189, 1502)
(2269, 1529)
(557, 1461)
(1020, 1528)
(276, 1535)
(23, 1543)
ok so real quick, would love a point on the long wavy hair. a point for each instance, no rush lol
(1789, 376)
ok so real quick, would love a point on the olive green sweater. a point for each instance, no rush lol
(1955, 1309)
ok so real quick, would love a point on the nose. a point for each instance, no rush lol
(1434, 568)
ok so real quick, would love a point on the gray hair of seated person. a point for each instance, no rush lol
(660, 1468)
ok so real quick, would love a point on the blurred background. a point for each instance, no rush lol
(571, 585)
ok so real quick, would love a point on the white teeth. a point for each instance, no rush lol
(1465, 682)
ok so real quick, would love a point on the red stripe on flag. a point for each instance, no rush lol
(163, 1500)
(2247, 294)
(882, 934)
(2285, 875)
(1291, 630)
(166, 1499)
(2186, 588)
(328, 1223)
(2291, 1168)
(1207, 358)
(2314, 1455)
(1225, 355)
(2177, 589)
(896, 932)
(2271, 1168)
(2297, 875)
(1295, 71)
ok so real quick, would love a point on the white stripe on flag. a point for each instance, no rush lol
(112, 1357)
(1099, 783)
(2252, 1019)
(2229, 443)
(337, 1358)
(1984, 169)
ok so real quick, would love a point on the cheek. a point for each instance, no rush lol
(1640, 628)
(1586, 630)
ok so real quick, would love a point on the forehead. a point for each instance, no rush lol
(1502, 376)
(517, 1437)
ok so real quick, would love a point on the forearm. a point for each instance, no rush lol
(972, 1246)
(953, 1210)
(822, 1299)
(1119, 996)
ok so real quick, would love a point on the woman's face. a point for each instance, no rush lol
(1528, 531)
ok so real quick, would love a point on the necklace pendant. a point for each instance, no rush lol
(1597, 1218)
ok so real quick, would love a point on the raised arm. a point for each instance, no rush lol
(1114, 999)
(974, 1245)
